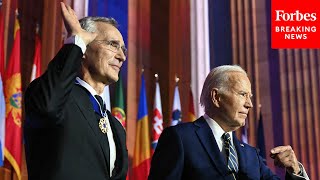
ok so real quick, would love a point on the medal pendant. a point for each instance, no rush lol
(103, 125)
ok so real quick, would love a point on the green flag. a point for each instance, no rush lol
(118, 107)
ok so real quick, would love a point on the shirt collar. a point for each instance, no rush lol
(87, 86)
(216, 128)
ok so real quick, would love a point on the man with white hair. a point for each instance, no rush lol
(207, 148)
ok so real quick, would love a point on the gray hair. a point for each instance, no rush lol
(89, 23)
(217, 78)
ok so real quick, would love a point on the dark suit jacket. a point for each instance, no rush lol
(62, 136)
(190, 151)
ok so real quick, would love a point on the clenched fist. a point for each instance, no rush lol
(284, 157)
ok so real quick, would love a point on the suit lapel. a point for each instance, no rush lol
(207, 139)
(86, 108)
(242, 156)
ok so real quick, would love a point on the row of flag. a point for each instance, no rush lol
(10, 99)
(144, 149)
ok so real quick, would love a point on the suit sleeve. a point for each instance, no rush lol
(46, 96)
(168, 160)
(266, 173)
(302, 176)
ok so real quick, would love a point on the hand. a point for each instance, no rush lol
(72, 24)
(284, 157)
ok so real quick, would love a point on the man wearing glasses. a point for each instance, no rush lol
(69, 134)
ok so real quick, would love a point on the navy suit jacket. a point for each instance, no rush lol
(190, 151)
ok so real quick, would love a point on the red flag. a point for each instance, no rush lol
(13, 142)
(36, 72)
(157, 121)
(191, 112)
(141, 157)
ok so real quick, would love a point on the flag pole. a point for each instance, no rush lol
(37, 28)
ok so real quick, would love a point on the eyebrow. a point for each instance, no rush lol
(250, 93)
(113, 40)
(117, 41)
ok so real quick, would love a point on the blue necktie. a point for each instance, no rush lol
(231, 154)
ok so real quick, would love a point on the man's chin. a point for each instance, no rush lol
(111, 80)
(240, 124)
(115, 79)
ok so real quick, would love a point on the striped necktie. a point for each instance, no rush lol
(230, 153)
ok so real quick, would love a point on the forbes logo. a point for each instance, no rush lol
(295, 16)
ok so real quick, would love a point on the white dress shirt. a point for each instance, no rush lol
(217, 133)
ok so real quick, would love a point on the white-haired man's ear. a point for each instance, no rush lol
(215, 97)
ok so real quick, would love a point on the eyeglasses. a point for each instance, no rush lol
(114, 46)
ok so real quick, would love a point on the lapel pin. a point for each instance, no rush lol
(241, 145)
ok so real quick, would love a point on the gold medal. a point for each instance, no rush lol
(103, 125)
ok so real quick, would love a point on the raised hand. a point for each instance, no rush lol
(72, 24)
(284, 157)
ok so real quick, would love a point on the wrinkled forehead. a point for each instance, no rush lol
(108, 32)
(239, 81)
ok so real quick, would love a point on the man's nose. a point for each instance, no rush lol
(248, 103)
(120, 55)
